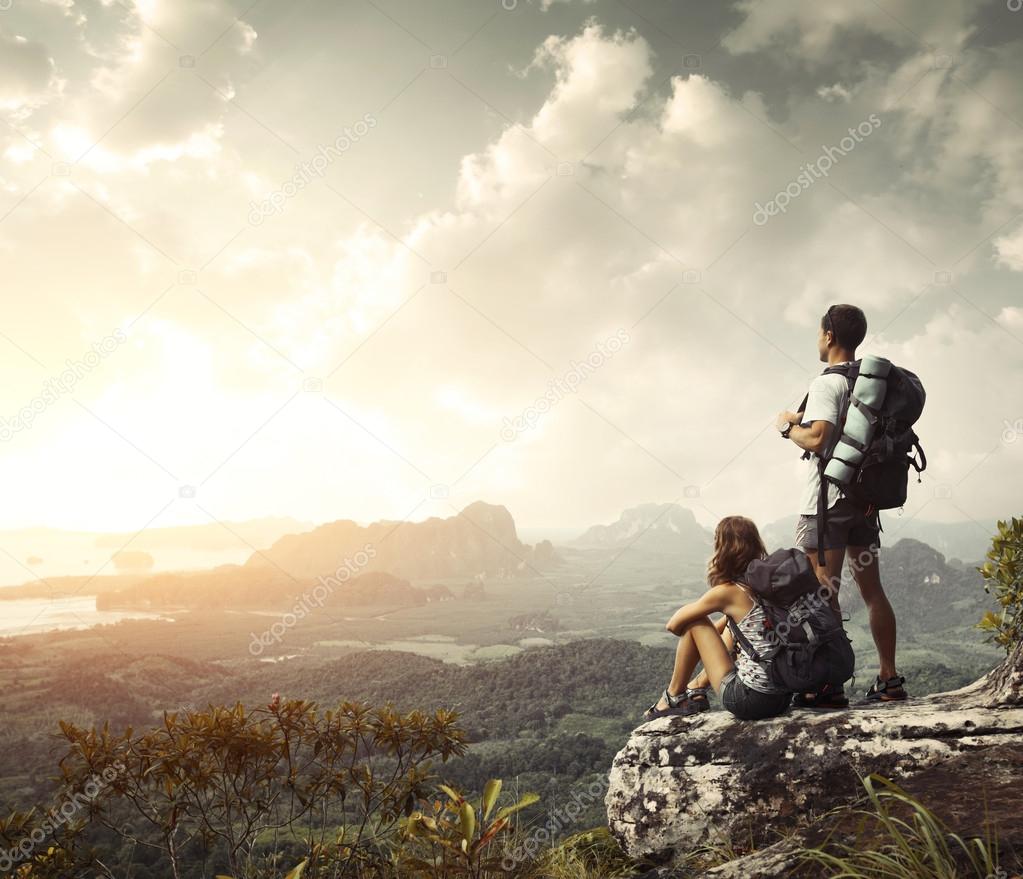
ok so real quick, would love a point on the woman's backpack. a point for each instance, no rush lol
(809, 647)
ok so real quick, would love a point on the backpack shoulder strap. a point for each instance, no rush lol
(822, 511)
(849, 370)
(742, 642)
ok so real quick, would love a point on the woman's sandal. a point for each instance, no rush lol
(682, 705)
(700, 695)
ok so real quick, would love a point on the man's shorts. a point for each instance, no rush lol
(847, 524)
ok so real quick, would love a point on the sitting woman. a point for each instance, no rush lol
(745, 687)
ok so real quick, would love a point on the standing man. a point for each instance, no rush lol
(851, 530)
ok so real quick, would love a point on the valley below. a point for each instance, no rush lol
(549, 662)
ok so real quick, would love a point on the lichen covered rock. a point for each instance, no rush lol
(683, 782)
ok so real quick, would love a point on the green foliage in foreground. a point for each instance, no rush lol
(900, 838)
(591, 854)
(454, 838)
(1003, 577)
(237, 789)
(292, 792)
(286, 790)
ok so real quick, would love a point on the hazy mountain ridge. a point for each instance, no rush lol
(663, 527)
(481, 540)
(967, 540)
(360, 564)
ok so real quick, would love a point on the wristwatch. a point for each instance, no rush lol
(785, 433)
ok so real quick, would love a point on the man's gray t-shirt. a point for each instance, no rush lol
(825, 402)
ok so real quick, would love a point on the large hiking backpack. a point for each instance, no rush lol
(809, 647)
(880, 480)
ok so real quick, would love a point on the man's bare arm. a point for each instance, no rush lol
(813, 438)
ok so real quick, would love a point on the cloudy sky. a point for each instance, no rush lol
(323, 259)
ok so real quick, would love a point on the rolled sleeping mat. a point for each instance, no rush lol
(869, 389)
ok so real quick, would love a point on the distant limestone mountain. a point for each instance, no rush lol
(780, 533)
(660, 527)
(927, 594)
(480, 541)
(968, 540)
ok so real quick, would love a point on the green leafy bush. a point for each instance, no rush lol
(1003, 578)
(455, 838)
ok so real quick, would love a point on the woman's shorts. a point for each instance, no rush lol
(748, 704)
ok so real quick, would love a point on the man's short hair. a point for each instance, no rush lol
(848, 325)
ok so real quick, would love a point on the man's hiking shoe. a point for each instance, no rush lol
(891, 690)
(681, 705)
(827, 698)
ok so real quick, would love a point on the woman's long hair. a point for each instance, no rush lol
(736, 543)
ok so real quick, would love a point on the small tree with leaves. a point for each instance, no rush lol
(245, 789)
(1003, 578)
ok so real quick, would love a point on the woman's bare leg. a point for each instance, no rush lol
(701, 641)
(702, 680)
(717, 661)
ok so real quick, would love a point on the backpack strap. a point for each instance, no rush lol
(919, 461)
(869, 412)
(843, 369)
(850, 371)
(822, 511)
(743, 642)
